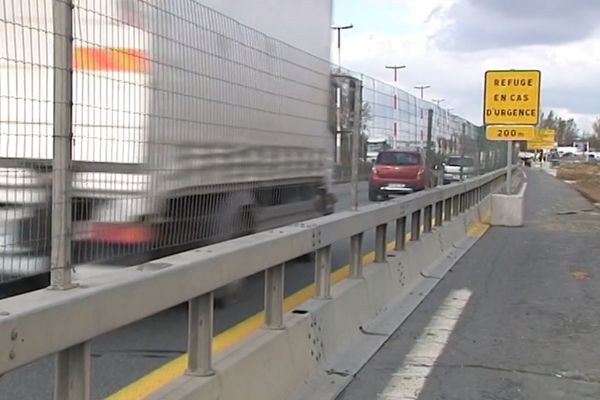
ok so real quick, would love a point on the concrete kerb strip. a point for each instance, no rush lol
(509, 209)
(326, 342)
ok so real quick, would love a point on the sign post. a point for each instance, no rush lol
(511, 109)
(509, 148)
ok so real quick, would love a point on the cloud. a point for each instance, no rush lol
(474, 25)
(569, 69)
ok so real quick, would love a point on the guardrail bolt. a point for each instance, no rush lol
(14, 335)
(12, 355)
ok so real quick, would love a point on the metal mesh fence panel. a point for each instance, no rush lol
(394, 119)
(188, 127)
(26, 122)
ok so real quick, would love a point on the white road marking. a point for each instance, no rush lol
(408, 382)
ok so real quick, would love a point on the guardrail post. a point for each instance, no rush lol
(356, 259)
(380, 243)
(415, 231)
(73, 373)
(323, 273)
(200, 335)
(447, 205)
(274, 285)
(400, 233)
(427, 215)
(439, 213)
(456, 205)
(462, 203)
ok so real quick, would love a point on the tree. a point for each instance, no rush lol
(567, 131)
(595, 138)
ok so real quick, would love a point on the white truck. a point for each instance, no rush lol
(375, 145)
(192, 123)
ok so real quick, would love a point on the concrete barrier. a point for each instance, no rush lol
(509, 209)
(326, 342)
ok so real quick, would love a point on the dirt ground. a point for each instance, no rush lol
(586, 178)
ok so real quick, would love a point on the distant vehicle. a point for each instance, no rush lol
(375, 145)
(398, 172)
(564, 150)
(453, 166)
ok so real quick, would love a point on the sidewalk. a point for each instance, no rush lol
(517, 318)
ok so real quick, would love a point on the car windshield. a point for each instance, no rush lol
(460, 162)
(398, 158)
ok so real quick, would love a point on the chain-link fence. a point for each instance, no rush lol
(131, 129)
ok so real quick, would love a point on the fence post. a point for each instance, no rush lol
(356, 128)
(72, 374)
(60, 257)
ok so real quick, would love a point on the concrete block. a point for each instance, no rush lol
(509, 209)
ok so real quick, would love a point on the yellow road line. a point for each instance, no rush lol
(175, 368)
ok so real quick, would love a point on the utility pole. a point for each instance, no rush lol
(395, 68)
(339, 29)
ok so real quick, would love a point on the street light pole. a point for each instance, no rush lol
(339, 29)
(395, 68)
(422, 89)
(438, 101)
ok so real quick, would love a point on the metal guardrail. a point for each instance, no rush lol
(45, 322)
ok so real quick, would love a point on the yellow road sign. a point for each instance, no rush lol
(510, 132)
(543, 140)
(512, 97)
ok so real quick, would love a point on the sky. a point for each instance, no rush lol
(449, 44)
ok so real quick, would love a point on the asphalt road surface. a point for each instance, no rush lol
(125, 355)
(516, 319)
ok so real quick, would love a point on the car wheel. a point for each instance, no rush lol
(373, 194)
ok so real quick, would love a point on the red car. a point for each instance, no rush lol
(397, 172)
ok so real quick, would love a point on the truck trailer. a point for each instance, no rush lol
(193, 122)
